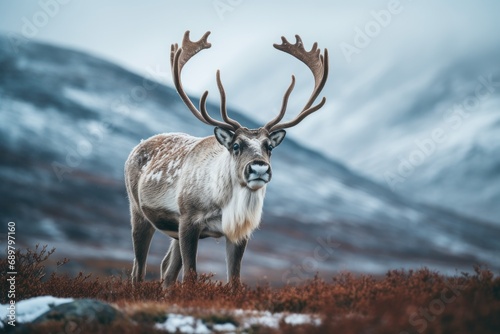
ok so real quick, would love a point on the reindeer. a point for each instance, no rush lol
(192, 188)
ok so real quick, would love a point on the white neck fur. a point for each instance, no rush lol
(241, 216)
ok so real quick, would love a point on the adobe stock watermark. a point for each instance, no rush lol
(11, 273)
(31, 25)
(324, 250)
(223, 7)
(452, 120)
(363, 36)
(122, 106)
(424, 315)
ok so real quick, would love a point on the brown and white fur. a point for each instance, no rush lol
(193, 188)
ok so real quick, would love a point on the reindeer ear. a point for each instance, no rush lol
(224, 137)
(277, 137)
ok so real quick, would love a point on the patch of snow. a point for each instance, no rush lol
(229, 327)
(183, 324)
(30, 309)
(266, 318)
(300, 319)
(189, 324)
(51, 228)
(87, 99)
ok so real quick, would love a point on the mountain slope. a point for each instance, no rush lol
(69, 120)
(430, 131)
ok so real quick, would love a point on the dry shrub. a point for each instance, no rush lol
(420, 301)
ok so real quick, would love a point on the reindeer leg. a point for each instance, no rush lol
(189, 235)
(171, 264)
(142, 233)
(234, 254)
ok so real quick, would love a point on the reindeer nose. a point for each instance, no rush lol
(258, 169)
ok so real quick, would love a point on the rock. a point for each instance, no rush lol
(82, 311)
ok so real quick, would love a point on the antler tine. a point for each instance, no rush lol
(206, 116)
(223, 110)
(173, 49)
(229, 123)
(191, 48)
(178, 58)
(318, 64)
(278, 118)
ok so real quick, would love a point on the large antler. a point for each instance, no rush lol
(178, 58)
(318, 64)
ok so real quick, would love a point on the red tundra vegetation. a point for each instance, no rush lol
(414, 301)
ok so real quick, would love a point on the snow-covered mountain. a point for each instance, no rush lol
(68, 121)
(434, 138)
(426, 126)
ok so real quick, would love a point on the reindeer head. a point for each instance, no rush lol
(251, 149)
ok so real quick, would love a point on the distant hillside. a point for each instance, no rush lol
(68, 121)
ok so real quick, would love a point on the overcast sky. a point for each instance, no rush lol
(411, 42)
(138, 34)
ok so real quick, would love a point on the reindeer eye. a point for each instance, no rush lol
(236, 146)
(270, 147)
